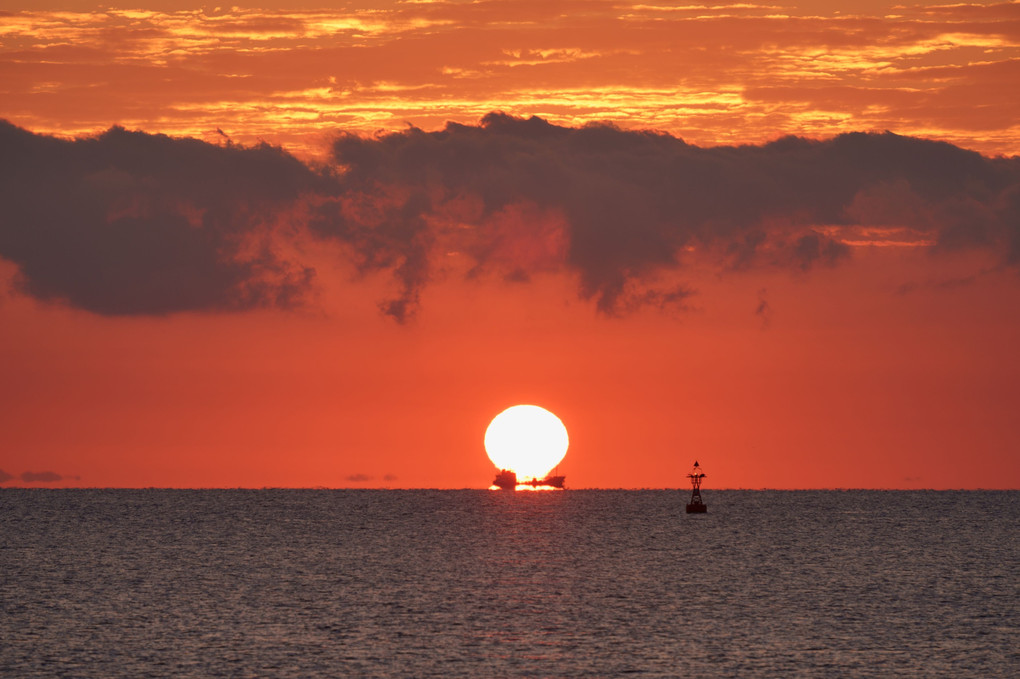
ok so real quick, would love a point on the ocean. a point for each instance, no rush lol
(578, 583)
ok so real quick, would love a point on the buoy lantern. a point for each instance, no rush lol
(696, 506)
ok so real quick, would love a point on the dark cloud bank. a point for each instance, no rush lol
(131, 223)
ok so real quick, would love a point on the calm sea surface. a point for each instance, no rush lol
(305, 583)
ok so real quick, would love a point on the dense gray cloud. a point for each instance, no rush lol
(131, 223)
(635, 200)
(4, 476)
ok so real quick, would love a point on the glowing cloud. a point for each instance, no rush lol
(728, 73)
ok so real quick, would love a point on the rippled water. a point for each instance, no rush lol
(134, 583)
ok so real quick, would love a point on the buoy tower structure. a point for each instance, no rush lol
(696, 506)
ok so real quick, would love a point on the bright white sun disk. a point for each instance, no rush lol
(527, 440)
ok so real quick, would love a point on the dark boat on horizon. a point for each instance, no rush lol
(507, 480)
(549, 481)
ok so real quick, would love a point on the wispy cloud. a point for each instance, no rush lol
(726, 73)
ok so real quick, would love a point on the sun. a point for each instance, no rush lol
(527, 440)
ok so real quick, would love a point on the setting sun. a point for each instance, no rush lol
(527, 440)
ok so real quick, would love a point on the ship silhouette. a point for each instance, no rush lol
(507, 480)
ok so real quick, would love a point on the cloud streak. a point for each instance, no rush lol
(42, 477)
(128, 223)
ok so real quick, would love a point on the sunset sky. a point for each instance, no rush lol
(282, 245)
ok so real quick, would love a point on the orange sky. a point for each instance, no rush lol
(828, 316)
(710, 72)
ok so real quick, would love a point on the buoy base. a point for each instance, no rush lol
(697, 508)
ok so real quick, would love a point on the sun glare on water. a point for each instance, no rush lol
(527, 440)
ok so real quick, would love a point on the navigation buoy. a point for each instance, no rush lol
(696, 506)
